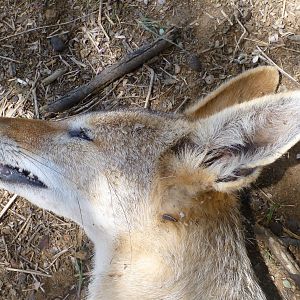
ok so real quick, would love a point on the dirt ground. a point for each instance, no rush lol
(43, 256)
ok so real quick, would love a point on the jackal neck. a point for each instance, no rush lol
(168, 260)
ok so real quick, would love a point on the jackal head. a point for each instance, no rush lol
(111, 170)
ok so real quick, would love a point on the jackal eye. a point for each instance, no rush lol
(81, 133)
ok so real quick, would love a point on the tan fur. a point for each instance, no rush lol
(156, 192)
(247, 86)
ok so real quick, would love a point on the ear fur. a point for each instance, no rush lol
(247, 86)
(242, 139)
(226, 152)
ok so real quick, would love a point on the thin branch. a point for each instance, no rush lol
(275, 65)
(45, 26)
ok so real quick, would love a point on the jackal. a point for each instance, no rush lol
(155, 192)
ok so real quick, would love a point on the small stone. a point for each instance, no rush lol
(276, 228)
(294, 38)
(282, 88)
(209, 79)
(229, 50)
(50, 13)
(255, 59)
(161, 2)
(161, 31)
(21, 81)
(177, 69)
(286, 284)
(194, 63)
(242, 58)
(273, 38)
(57, 43)
(14, 98)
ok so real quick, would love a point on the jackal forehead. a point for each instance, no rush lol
(123, 118)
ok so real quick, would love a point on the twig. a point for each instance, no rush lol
(226, 17)
(57, 34)
(100, 12)
(10, 59)
(283, 8)
(128, 64)
(22, 228)
(100, 20)
(162, 37)
(290, 241)
(280, 252)
(93, 41)
(56, 74)
(35, 102)
(152, 75)
(8, 205)
(57, 256)
(292, 234)
(32, 272)
(45, 26)
(275, 65)
(181, 104)
(105, 33)
(240, 39)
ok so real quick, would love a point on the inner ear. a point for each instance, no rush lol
(245, 87)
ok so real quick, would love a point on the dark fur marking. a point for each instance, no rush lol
(183, 143)
(167, 217)
(237, 174)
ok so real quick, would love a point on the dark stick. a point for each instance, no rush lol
(128, 64)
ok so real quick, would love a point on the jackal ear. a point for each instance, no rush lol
(247, 86)
(237, 142)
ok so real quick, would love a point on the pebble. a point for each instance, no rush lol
(273, 38)
(57, 43)
(276, 228)
(242, 58)
(14, 98)
(193, 62)
(177, 69)
(286, 284)
(50, 13)
(295, 37)
(209, 79)
(255, 59)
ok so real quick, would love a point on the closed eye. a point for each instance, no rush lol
(81, 133)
